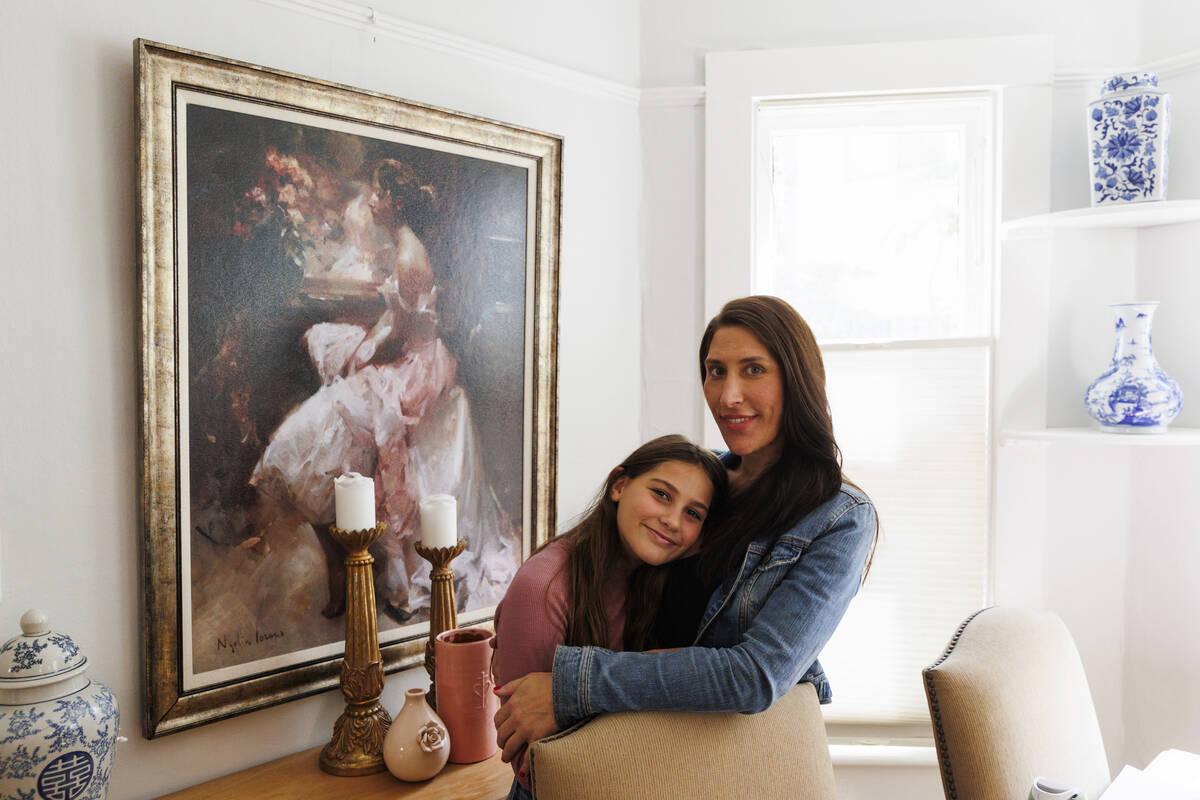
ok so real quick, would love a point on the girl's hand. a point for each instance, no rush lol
(527, 714)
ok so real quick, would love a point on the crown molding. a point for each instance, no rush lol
(672, 96)
(1094, 78)
(1175, 65)
(365, 18)
(1091, 78)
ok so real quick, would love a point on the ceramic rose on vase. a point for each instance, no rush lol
(58, 728)
(417, 744)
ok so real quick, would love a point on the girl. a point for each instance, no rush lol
(597, 585)
(780, 568)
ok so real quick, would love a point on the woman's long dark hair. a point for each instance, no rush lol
(594, 550)
(809, 470)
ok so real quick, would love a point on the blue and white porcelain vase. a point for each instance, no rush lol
(1127, 132)
(58, 729)
(1134, 395)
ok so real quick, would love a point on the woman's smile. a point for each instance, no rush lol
(738, 422)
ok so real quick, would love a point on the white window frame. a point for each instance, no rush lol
(1018, 69)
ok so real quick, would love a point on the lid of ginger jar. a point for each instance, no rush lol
(39, 656)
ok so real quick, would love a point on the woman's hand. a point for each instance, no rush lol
(527, 714)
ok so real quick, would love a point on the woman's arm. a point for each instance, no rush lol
(782, 641)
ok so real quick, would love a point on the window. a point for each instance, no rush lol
(874, 219)
(863, 182)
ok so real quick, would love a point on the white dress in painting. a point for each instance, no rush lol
(407, 422)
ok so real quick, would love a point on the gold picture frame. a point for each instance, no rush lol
(259, 225)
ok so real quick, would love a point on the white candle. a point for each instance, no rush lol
(439, 521)
(354, 502)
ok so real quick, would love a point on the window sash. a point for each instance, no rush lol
(914, 426)
(972, 113)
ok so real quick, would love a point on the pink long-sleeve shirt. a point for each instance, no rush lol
(531, 620)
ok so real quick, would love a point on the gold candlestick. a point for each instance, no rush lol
(357, 744)
(443, 611)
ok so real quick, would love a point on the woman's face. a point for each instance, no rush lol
(743, 386)
(381, 205)
(659, 513)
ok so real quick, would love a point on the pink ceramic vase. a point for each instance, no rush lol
(465, 699)
(417, 744)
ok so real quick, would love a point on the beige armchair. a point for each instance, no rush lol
(780, 753)
(1010, 703)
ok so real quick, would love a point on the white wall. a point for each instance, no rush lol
(677, 33)
(68, 339)
(600, 39)
(1168, 28)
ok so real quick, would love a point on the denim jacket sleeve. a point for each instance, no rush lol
(779, 643)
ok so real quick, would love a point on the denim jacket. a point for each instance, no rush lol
(757, 639)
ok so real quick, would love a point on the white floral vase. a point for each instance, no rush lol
(1134, 395)
(417, 745)
(58, 729)
(1128, 129)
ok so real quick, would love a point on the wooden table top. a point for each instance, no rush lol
(299, 777)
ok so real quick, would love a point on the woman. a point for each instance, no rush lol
(599, 583)
(379, 386)
(782, 566)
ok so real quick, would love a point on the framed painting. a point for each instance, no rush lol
(331, 280)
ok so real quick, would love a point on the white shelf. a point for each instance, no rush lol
(1128, 215)
(1174, 437)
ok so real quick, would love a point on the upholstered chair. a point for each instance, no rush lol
(1010, 703)
(660, 755)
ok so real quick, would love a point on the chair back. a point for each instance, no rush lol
(1010, 703)
(669, 755)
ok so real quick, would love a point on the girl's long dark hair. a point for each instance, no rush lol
(809, 470)
(595, 551)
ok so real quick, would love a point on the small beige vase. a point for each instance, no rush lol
(416, 746)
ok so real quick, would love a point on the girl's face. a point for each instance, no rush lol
(743, 386)
(659, 513)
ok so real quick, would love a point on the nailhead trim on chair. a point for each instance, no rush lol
(938, 732)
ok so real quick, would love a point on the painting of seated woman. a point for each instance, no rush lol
(358, 303)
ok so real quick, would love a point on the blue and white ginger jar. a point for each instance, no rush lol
(58, 729)
(1134, 395)
(1127, 133)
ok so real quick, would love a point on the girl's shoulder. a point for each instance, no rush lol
(542, 579)
(542, 566)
